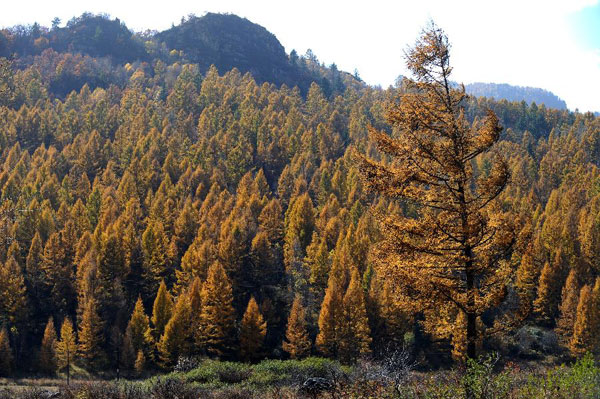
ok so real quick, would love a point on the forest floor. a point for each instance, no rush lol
(323, 378)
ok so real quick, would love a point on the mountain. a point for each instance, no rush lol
(223, 40)
(516, 93)
(93, 35)
(228, 41)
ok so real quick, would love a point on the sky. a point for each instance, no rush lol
(551, 44)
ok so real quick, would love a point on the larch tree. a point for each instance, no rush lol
(48, 348)
(13, 299)
(331, 314)
(91, 335)
(155, 246)
(140, 362)
(66, 347)
(355, 334)
(568, 306)
(138, 327)
(6, 354)
(297, 341)
(216, 334)
(161, 310)
(451, 253)
(176, 339)
(587, 322)
(545, 306)
(253, 330)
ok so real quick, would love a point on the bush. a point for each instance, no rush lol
(582, 380)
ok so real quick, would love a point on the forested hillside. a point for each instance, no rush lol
(223, 40)
(160, 210)
(516, 93)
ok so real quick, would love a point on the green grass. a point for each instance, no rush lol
(214, 374)
(278, 379)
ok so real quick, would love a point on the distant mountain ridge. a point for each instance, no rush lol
(508, 92)
(224, 40)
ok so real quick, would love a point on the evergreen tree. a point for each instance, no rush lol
(253, 330)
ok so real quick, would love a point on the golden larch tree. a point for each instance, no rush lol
(355, 339)
(452, 252)
(176, 339)
(48, 348)
(253, 330)
(546, 305)
(66, 347)
(587, 322)
(331, 314)
(568, 306)
(217, 319)
(138, 327)
(90, 335)
(297, 341)
(162, 310)
(6, 354)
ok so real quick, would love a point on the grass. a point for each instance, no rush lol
(276, 379)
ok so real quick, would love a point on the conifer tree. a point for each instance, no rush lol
(568, 306)
(176, 339)
(194, 295)
(300, 223)
(34, 279)
(140, 362)
(527, 276)
(6, 354)
(48, 349)
(587, 322)
(331, 316)
(13, 299)
(90, 336)
(155, 246)
(297, 342)
(450, 253)
(138, 327)
(217, 319)
(66, 347)
(546, 304)
(355, 335)
(161, 310)
(252, 332)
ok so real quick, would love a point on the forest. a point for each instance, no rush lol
(160, 209)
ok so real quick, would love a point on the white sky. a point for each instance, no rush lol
(520, 42)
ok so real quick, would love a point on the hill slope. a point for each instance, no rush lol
(516, 93)
(228, 42)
